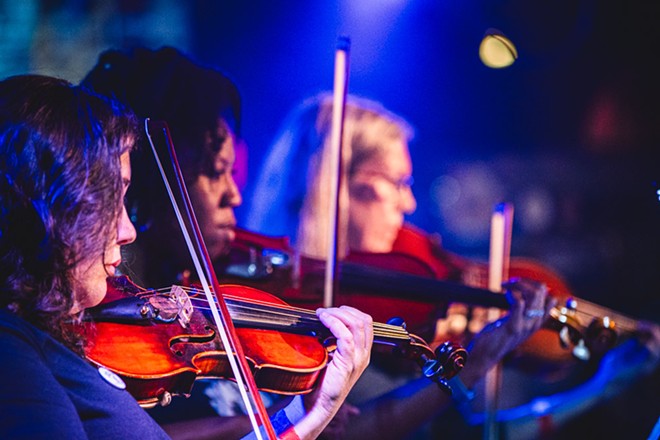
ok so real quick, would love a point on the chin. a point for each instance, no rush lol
(218, 250)
(377, 247)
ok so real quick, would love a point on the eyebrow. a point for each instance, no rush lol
(225, 161)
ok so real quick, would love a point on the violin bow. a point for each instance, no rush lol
(498, 270)
(336, 136)
(204, 268)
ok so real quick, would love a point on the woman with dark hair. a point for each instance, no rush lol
(64, 169)
(202, 109)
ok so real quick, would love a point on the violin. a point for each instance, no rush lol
(161, 341)
(412, 285)
(415, 282)
(593, 329)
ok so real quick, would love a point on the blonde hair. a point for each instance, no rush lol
(303, 197)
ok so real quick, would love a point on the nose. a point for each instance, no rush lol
(125, 230)
(232, 197)
(407, 201)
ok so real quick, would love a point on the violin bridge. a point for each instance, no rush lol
(184, 305)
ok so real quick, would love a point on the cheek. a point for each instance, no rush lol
(381, 211)
(90, 285)
(368, 218)
(201, 197)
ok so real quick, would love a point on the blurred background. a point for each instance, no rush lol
(570, 133)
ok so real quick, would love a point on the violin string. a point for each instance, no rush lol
(596, 312)
(258, 311)
(267, 314)
(290, 309)
(255, 313)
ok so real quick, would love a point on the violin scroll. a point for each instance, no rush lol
(440, 365)
(450, 359)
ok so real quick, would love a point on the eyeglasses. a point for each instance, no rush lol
(400, 184)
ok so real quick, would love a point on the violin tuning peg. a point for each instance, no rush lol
(432, 369)
(602, 335)
(581, 351)
(397, 321)
(452, 357)
(564, 337)
(571, 304)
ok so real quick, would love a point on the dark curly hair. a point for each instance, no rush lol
(168, 85)
(200, 104)
(60, 192)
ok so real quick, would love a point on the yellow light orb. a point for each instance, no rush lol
(496, 50)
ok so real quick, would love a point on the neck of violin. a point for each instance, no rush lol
(385, 282)
(305, 322)
(295, 320)
(591, 312)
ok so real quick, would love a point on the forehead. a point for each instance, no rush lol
(393, 157)
(221, 138)
(227, 152)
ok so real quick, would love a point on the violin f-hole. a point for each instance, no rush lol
(178, 343)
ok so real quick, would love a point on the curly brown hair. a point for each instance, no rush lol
(60, 192)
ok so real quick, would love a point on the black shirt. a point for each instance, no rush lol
(48, 391)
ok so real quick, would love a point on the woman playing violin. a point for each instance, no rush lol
(202, 109)
(375, 197)
(290, 198)
(64, 169)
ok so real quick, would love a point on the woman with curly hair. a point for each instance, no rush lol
(64, 170)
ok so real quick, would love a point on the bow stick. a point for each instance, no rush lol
(219, 310)
(498, 270)
(336, 137)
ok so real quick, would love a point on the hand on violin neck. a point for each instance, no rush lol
(354, 333)
(530, 307)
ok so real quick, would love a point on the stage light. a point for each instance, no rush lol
(496, 50)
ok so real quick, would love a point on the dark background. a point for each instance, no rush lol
(569, 133)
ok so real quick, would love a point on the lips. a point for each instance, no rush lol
(113, 266)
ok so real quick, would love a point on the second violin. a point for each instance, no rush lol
(415, 282)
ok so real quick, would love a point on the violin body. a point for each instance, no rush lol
(156, 359)
(543, 346)
(543, 351)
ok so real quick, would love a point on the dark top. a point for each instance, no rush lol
(48, 391)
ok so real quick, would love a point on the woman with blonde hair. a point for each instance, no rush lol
(292, 198)
(293, 189)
